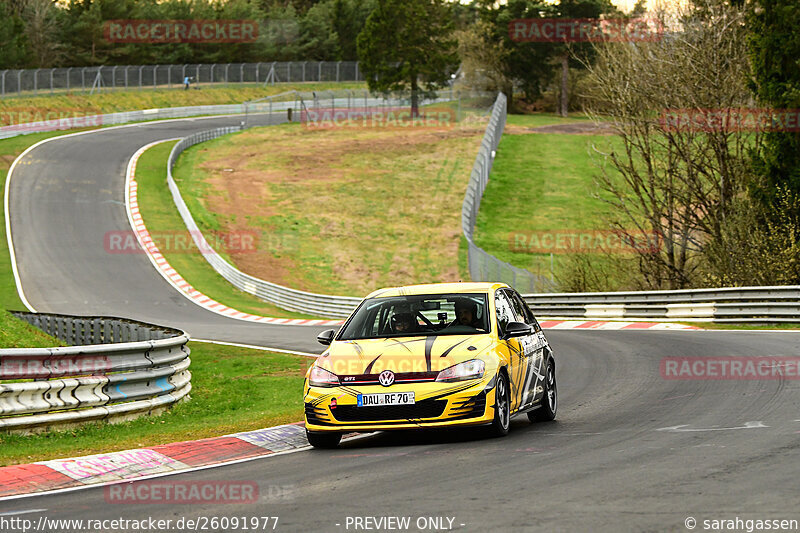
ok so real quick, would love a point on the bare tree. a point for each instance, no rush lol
(680, 161)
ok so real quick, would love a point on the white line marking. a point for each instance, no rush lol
(681, 428)
(14, 513)
(255, 347)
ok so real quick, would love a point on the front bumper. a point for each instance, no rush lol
(436, 405)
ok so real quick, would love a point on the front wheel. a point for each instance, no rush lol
(323, 440)
(502, 407)
(547, 411)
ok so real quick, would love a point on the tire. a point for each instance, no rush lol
(547, 411)
(323, 440)
(502, 407)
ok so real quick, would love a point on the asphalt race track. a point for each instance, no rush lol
(630, 451)
(67, 194)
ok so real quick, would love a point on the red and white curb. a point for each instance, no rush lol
(613, 325)
(172, 276)
(155, 461)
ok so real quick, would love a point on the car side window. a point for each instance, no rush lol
(521, 307)
(505, 311)
(519, 314)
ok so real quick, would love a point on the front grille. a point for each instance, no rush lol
(423, 409)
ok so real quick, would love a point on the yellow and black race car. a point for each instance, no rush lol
(431, 356)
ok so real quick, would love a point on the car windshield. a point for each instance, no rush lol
(418, 315)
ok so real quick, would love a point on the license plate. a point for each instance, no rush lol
(385, 398)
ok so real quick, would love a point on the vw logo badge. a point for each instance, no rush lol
(386, 378)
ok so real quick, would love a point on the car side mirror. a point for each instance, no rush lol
(326, 337)
(517, 329)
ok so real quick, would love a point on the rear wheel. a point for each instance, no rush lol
(502, 407)
(547, 411)
(323, 440)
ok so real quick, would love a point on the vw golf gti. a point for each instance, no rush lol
(435, 355)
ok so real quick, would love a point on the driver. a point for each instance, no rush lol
(403, 322)
(467, 314)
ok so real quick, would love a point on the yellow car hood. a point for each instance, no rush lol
(401, 355)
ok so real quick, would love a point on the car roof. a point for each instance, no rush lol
(438, 288)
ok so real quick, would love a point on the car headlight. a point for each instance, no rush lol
(471, 369)
(320, 377)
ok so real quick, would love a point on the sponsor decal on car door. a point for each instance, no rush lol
(532, 352)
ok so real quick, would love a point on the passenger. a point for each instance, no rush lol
(467, 314)
(403, 323)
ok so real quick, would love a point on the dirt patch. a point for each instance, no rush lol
(574, 128)
(361, 207)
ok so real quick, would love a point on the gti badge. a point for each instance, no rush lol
(386, 378)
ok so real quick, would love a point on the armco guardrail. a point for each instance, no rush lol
(482, 265)
(126, 118)
(114, 370)
(273, 103)
(284, 297)
(736, 304)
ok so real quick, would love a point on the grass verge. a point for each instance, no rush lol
(340, 210)
(167, 228)
(233, 389)
(550, 178)
(16, 333)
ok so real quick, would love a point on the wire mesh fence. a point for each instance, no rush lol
(334, 106)
(126, 77)
(482, 265)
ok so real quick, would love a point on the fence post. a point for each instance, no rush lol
(289, 72)
(51, 80)
(140, 76)
(356, 71)
(227, 66)
(304, 70)
(36, 81)
(319, 71)
(3, 85)
(241, 73)
(337, 70)
(155, 76)
(114, 77)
